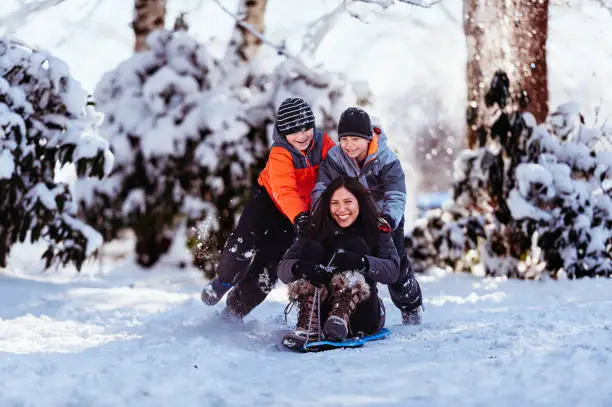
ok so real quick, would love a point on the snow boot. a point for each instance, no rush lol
(308, 325)
(348, 290)
(406, 295)
(413, 317)
(214, 291)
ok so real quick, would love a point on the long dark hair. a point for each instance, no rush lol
(323, 228)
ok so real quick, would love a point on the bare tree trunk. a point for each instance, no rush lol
(149, 15)
(244, 45)
(508, 35)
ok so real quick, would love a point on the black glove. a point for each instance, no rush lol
(301, 222)
(315, 274)
(313, 251)
(384, 225)
(350, 261)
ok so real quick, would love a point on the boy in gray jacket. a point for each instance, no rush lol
(363, 153)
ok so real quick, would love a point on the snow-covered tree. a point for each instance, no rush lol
(45, 121)
(509, 36)
(190, 134)
(539, 197)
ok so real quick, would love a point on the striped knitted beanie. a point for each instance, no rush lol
(293, 115)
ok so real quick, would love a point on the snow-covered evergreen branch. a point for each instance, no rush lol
(45, 120)
(538, 200)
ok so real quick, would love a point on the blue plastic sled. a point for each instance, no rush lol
(319, 346)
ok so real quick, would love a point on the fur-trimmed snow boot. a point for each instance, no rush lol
(348, 289)
(308, 325)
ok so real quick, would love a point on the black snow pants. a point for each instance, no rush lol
(252, 252)
(405, 292)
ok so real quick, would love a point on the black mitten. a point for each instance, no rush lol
(313, 251)
(354, 244)
(314, 273)
(350, 261)
(301, 223)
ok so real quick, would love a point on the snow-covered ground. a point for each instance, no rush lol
(118, 336)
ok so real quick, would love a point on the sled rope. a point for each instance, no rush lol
(316, 303)
(288, 309)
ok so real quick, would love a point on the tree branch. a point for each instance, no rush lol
(17, 18)
(318, 29)
(421, 3)
(418, 3)
(81, 24)
(280, 48)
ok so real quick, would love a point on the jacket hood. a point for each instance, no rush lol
(378, 143)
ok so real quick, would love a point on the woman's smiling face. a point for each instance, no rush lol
(344, 207)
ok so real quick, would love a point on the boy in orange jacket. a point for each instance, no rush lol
(277, 210)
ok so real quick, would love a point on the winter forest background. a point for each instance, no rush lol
(125, 159)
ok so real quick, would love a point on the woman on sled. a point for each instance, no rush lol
(332, 271)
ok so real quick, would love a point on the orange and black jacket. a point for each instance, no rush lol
(290, 175)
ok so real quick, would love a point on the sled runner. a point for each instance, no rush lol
(357, 342)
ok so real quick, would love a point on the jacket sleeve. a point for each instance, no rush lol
(282, 186)
(394, 188)
(385, 264)
(329, 170)
(292, 256)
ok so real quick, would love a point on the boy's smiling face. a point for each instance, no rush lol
(355, 147)
(301, 140)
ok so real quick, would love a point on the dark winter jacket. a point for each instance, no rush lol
(290, 175)
(381, 174)
(383, 260)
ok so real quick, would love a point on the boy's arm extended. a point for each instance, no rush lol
(285, 266)
(394, 188)
(328, 171)
(385, 263)
(282, 184)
